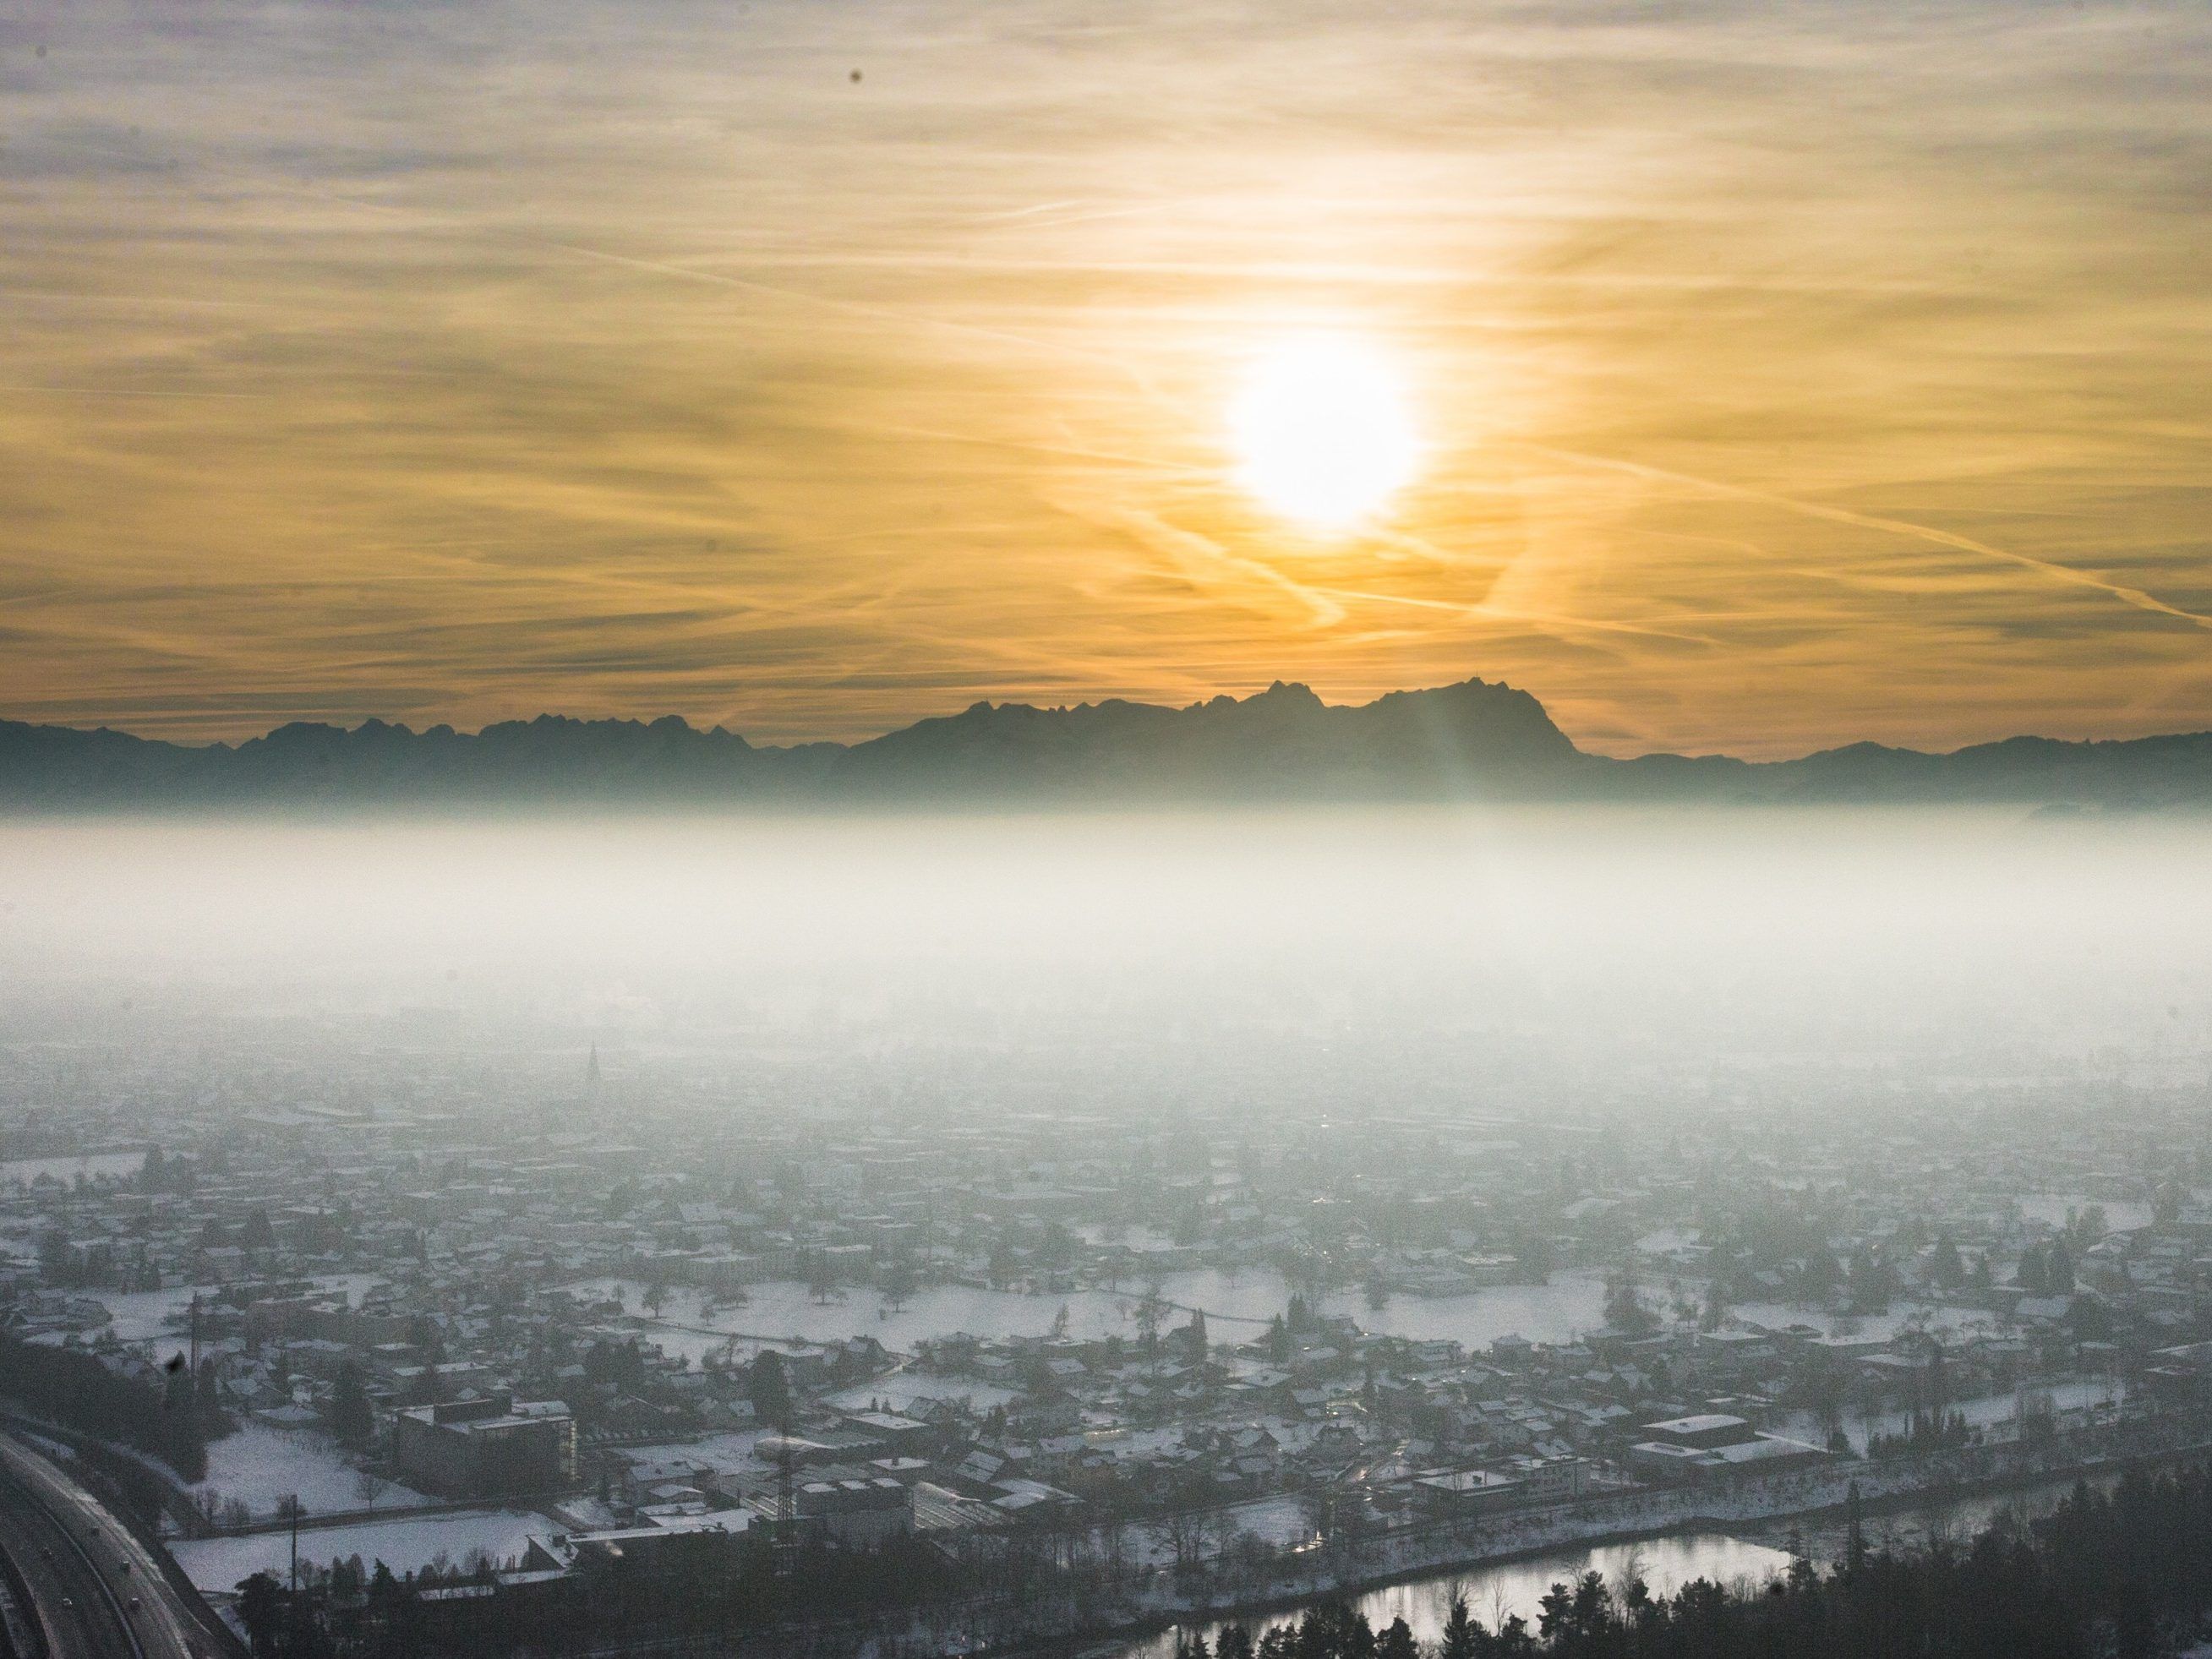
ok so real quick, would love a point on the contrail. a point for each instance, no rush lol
(2134, 596)
(117, 392)
(857, 308)
(1543, 621)
(1186, 547)
(1074, 451)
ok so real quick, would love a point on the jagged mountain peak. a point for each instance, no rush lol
(1473, 739)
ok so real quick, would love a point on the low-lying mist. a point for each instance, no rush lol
(1473, 939)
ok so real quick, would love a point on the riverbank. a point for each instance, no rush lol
(1383, 1562)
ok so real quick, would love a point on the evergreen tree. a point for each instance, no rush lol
(1624, 1308)
(185, 1442)
(352, 1419)
(2058, 1269)
(208, 1399)
(771, 1389)
(1855, 1544)
(261, 1609)
(1397, 1641)
(1462, 1636)
(1945, 1268)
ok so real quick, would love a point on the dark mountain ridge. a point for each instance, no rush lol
(1473, 740)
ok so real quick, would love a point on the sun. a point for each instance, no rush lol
(1323, 432)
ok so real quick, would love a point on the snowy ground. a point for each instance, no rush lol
(1778, 1315)
(259, 1464)
(783, 1310)
(1571, 1304)
(144, 1316)
(67, 1169)
(2121, 1215)
(1990, 1409)
(404, 1544)
(147, 1315)
(1282, 1521)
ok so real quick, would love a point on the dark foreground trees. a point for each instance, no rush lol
(171, 1418)
(699, 1588)
(2126, 1574)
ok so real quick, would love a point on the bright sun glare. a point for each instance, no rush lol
(1321, 432)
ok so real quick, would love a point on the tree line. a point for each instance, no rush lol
(2120, 1575)
(2123, 1575)
(173, 1421)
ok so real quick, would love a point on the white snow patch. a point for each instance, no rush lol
(260, 1464)
(404, 1544)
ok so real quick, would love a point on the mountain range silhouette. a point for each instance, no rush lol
(1475, 740)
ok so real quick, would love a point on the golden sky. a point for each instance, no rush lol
(1788, 373)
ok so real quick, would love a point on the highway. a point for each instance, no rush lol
(95, 1591)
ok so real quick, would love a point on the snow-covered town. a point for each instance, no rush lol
(473, 1336)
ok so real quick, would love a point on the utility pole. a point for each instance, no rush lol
(786, 1504)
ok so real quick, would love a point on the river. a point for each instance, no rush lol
(1497, 1591)
(1494, 1593)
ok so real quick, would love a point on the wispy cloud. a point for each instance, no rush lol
(1791, 374)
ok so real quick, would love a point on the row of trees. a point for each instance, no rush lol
(173, 1421)
(2126, 1574)
(693, 1586)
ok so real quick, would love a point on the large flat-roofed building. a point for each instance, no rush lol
(1711, 1445)
(1467, 1492)
(1705, 1428)
(852, 1510)
(862, 1510)
(492, 1448)
(647, 1545)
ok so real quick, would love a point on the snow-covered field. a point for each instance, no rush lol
(404, 1544)
(67, 1169)
(259, 1464)
(1990, 1409)
(1573, 1302)
(147, 1316)
(1281, 1521)
(144, 1316)
(1778, 1315)
(784, 1309)
(2121, 1215)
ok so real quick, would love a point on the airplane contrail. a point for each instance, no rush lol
(2134, 596)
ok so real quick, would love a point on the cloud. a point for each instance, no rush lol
(1792, 374)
